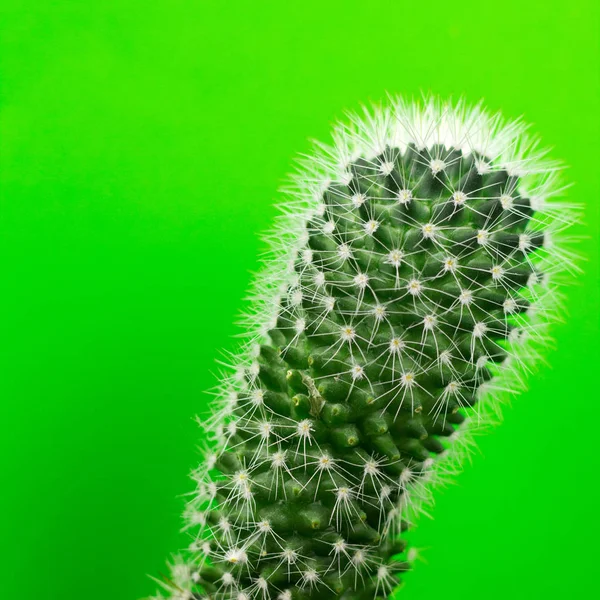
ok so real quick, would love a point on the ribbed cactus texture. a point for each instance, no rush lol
(412, 276)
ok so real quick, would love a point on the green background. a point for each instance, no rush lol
(141, 147)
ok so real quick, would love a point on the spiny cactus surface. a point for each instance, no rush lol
(412, 275)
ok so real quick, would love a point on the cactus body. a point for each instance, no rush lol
(412, 273)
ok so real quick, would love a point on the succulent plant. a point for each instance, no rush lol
(410, 284)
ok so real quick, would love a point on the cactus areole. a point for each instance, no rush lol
(411, 276)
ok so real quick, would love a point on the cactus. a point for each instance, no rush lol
(410, 285)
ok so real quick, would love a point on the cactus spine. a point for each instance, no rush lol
(412, 277)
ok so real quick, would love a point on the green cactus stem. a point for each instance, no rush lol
(412, 278)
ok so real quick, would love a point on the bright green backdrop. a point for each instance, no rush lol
(141, 147)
